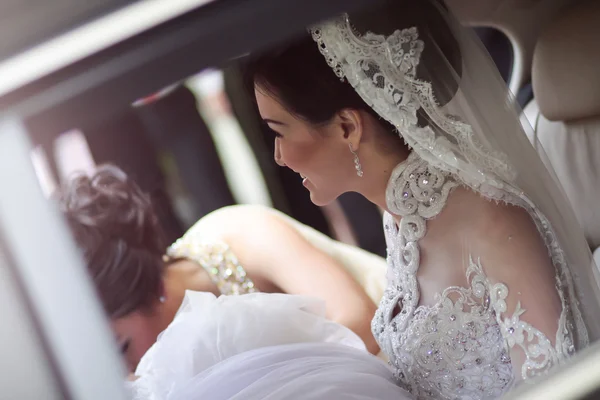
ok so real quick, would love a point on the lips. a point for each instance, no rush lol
(304, 179)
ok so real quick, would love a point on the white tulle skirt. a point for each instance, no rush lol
(259, 346)
(312, 371)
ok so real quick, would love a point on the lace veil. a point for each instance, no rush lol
(445, 96)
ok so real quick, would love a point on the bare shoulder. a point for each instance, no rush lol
(509, 240)
(253, 232)
(247, 221)
(233, 222)
(512, 251)
(500, 220)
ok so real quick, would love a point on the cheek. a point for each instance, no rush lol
(297, 155)
(306, 151)
(139, 346)
(142, 332)
(322, 161)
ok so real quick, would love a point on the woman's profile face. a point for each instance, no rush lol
(319, 154)
(135, 333)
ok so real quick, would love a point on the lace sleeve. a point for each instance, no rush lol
(532, 351)
(525, 294)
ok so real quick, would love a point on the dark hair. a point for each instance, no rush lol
(299, 77)
(117, 230)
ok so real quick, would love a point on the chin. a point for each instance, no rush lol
(320, 200)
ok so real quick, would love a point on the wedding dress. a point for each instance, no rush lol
(465, 342)
(460, 346)
(262, 347)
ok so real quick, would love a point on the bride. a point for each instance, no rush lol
(490, 280)
(246, 344)
(232, 251)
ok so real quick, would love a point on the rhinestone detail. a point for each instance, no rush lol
(218, 261)
(459, 347)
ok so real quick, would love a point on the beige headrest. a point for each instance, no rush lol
(566, 65)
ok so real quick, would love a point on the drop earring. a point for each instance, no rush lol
(357, 165)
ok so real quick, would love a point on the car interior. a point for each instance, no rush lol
(157, 88)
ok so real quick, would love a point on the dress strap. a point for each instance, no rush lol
(218, 260)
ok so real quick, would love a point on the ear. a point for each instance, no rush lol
(352, 124)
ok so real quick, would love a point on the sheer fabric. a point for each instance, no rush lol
(259, 346)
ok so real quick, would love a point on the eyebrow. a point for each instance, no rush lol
(272, 121)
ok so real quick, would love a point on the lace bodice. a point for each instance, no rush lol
(460, 347)
(218, 261)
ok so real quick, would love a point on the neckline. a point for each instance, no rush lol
(417, 192)
(398, 169)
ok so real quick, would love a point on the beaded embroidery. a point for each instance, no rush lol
(218, 261)
(459, 347)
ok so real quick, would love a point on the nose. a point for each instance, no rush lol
(277, 154)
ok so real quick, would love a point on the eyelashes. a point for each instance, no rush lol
(125, 346)
(272, 131)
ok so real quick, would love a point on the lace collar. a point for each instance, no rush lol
(416, 192)
(417, 188)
